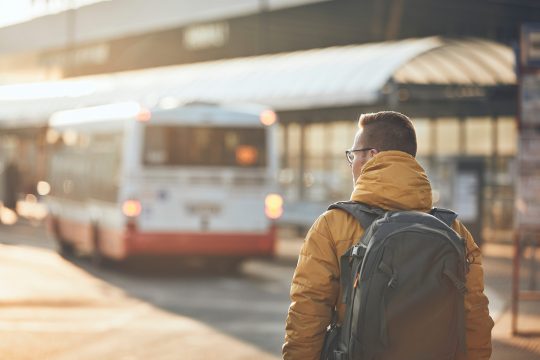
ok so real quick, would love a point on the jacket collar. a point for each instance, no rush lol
(393, 180)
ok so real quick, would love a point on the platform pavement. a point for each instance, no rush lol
(498, 287)
(50, 309)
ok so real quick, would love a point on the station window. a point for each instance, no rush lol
(507, 136)
(447, 137)
(340, 184)
(423, 136)
(281, 129)
(316, 140)
(479, 136)
(293, 138)
(341, 137)
(314, 177)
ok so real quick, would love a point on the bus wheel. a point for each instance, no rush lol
(97, 256)
(64, 248)
(229, 266)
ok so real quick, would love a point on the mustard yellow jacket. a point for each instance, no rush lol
(391, 180)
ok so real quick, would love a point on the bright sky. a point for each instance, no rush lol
(15, 11)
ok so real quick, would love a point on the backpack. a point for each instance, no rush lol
(403, 285)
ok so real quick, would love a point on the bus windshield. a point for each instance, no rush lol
(168, 145)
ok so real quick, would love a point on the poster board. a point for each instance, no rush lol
(527, 214)
(530, 100)
(528, 180)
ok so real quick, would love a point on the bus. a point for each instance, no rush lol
(197, 180)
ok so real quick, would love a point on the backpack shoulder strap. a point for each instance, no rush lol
(363, 213)
(445, 215)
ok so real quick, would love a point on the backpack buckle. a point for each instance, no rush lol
(393, 282)
(359, 251)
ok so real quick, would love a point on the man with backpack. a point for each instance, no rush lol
(386, 276)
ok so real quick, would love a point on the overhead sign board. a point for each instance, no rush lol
(530, 46)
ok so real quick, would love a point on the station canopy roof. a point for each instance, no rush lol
(353, 75)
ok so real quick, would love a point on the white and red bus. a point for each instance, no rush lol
(194, 180)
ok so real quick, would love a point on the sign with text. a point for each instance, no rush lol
(530, 99)
(530, 45)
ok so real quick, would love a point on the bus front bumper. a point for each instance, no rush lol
(201, 244)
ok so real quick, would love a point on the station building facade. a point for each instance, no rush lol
(459, 89)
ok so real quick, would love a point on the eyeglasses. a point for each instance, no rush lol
(349, 154)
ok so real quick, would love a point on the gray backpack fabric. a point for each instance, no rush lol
(403, 285)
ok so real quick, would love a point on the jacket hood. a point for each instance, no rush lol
(393, 180)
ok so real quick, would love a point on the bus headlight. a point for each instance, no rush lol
(43, 188)
(131, 208)
(273, 206)
(268, 117)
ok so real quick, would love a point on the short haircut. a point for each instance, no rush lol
(388, 130)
